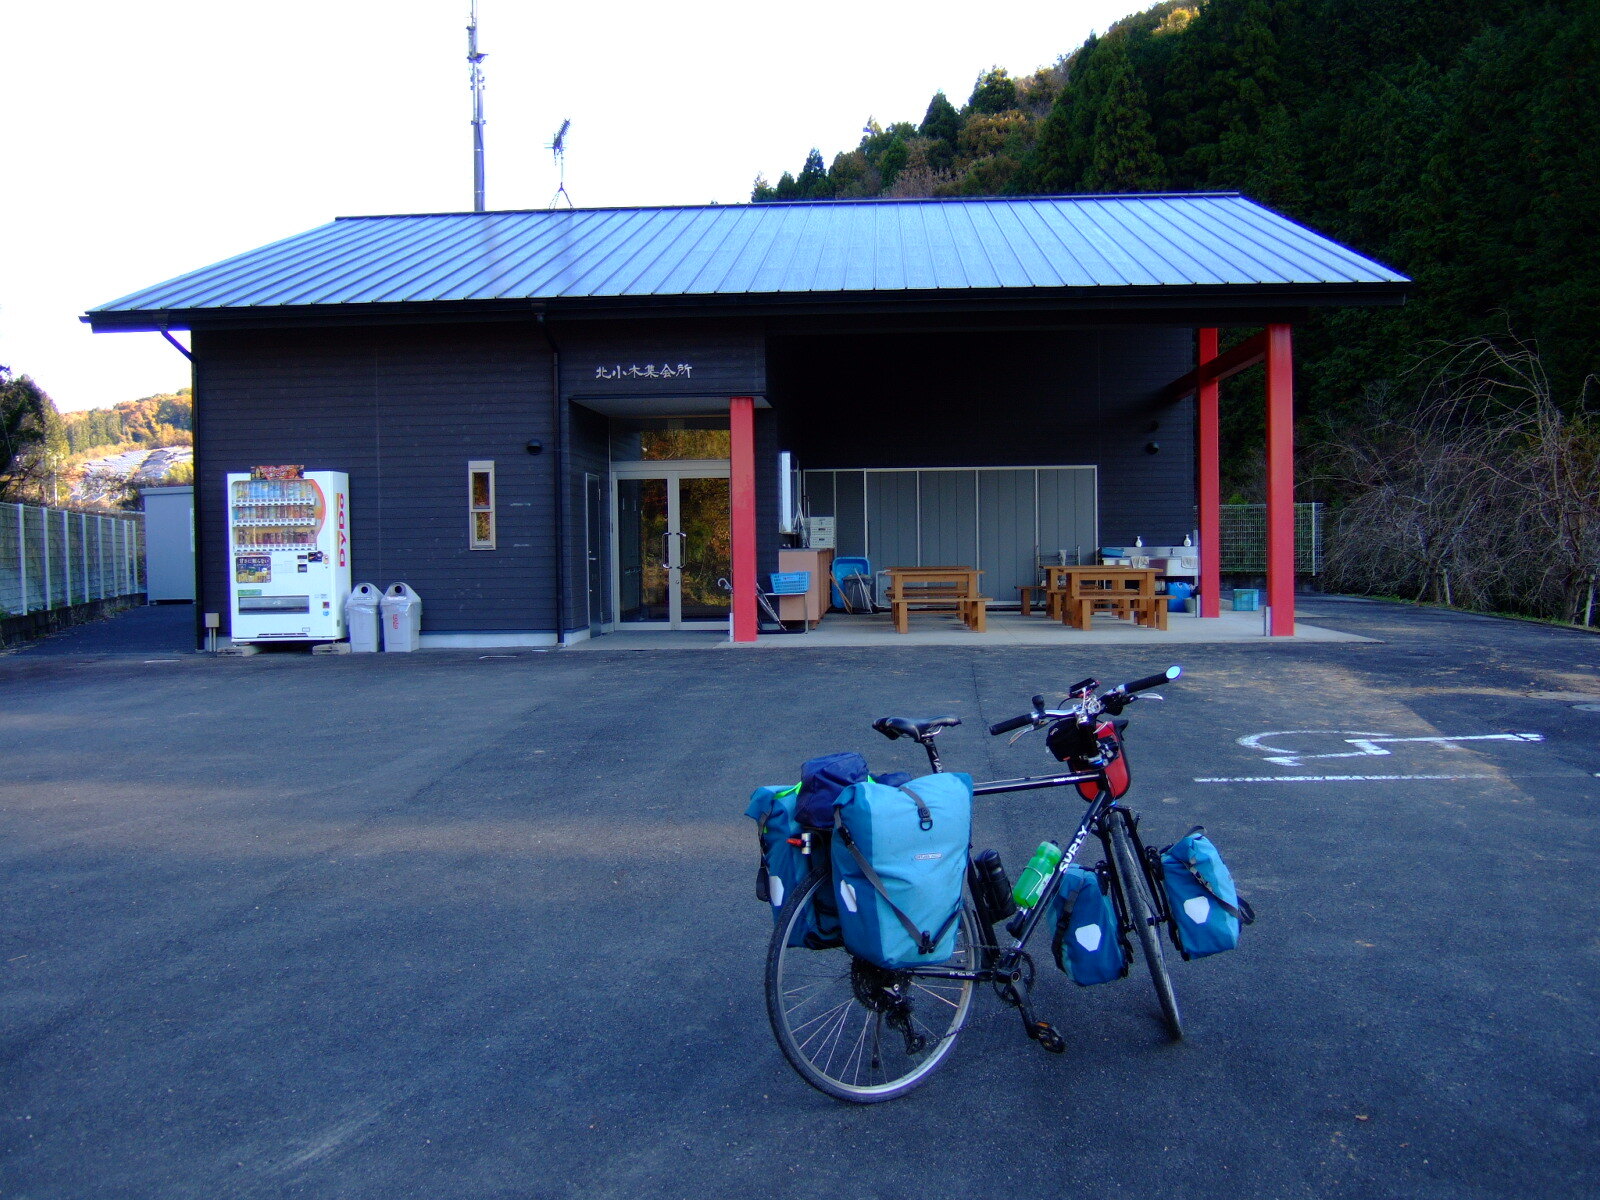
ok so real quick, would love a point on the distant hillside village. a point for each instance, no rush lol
(98, 458)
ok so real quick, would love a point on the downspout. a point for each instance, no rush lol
(198, 500)
(558, 412)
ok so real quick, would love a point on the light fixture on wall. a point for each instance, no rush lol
(535, 446)
(1152, 447)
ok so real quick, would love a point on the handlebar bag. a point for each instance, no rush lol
(1206, 908)
(899, 859)
(1088, 941)
(822, 781)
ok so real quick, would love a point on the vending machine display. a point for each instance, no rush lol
(288, 554)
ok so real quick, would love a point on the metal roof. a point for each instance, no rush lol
(1033, 246)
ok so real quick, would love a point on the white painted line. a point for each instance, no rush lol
(1366, 744)
(1331, 778)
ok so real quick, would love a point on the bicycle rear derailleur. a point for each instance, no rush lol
(884, 993)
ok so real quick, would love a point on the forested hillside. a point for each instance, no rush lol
(162, 420)
(1456, 142)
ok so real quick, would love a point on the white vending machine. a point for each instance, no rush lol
(289, 554)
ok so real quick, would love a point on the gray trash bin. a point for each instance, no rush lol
(361, 618)
(402, 618)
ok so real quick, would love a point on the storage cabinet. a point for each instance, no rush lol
(814, 603)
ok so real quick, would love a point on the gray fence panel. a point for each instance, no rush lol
(947, 517)
(1006, 532)
(892, 519)
(1067, 514)
(53, 558)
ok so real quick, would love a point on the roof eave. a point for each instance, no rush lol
(1159, 299)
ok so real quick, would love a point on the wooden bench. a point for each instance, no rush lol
(1151, 611)
(939, 590)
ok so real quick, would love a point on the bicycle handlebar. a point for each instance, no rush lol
(1013, 723)
(1088, 702)
(1149, 681)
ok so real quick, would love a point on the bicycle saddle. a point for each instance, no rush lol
(911, 727)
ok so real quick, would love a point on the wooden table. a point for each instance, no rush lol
(1076, 593)
(937, 589)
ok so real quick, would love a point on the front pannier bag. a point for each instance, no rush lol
(899, 858)
(783, 866)
(1088, 941)
(1206, 908)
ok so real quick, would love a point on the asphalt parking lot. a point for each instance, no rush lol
(443, 925)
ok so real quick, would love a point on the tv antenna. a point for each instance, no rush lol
(475, 67)
(558, 148)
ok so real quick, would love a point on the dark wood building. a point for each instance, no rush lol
(972, 380)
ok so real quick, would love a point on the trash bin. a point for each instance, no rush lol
(361, 618)
(402, 618)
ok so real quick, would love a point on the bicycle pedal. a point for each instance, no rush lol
(1044, 1033)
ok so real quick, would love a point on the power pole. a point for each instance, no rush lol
(475, 66)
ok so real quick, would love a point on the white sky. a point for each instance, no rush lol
(145, 138)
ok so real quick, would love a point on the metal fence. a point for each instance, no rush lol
(53, 558)
(1244, 539)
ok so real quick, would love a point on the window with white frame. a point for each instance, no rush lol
(480, 501)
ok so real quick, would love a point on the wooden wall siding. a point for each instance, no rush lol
(400, 410)
(727, 359)
(997, 399)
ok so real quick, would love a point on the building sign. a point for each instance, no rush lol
(648, 371)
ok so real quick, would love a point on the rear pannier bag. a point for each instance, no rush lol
(899, 859)
(782, 866)
(1088, 941)
(822, 781)
(1206, 908)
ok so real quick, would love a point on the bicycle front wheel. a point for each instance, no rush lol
(1141, 909)
(854, 1030)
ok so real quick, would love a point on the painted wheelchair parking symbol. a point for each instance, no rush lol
(1298, 747)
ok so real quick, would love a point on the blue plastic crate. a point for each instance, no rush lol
(790, 583)
(1246, 599)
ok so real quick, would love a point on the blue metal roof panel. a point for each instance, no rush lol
(1024, 243)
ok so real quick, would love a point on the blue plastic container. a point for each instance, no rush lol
(790, 583)
(1180, 593)
(843, 568)
(1246, 599)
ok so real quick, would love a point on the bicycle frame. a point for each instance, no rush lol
(1003, 963)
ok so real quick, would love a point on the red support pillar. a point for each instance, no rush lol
(1209, 482)
(742, 514)
(1280, 479)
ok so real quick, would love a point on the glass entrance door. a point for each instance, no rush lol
(673, 544)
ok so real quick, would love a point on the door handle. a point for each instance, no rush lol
(666, 551)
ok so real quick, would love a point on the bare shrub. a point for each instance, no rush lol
(1485, 494)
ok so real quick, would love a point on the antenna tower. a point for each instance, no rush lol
(475, 67)
(558, 148)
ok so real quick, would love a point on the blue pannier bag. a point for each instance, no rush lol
(1206, 907)
(783, 866)
(899, 859)
(822, 781)
(1088, 940)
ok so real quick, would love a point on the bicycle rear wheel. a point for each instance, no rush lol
(854, 1030)
(1141, 910)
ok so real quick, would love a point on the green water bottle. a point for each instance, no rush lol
(1039, 869)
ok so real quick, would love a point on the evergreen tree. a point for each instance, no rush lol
(1122, 154)
(995, 92)
(941, 126)
(813, 182)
